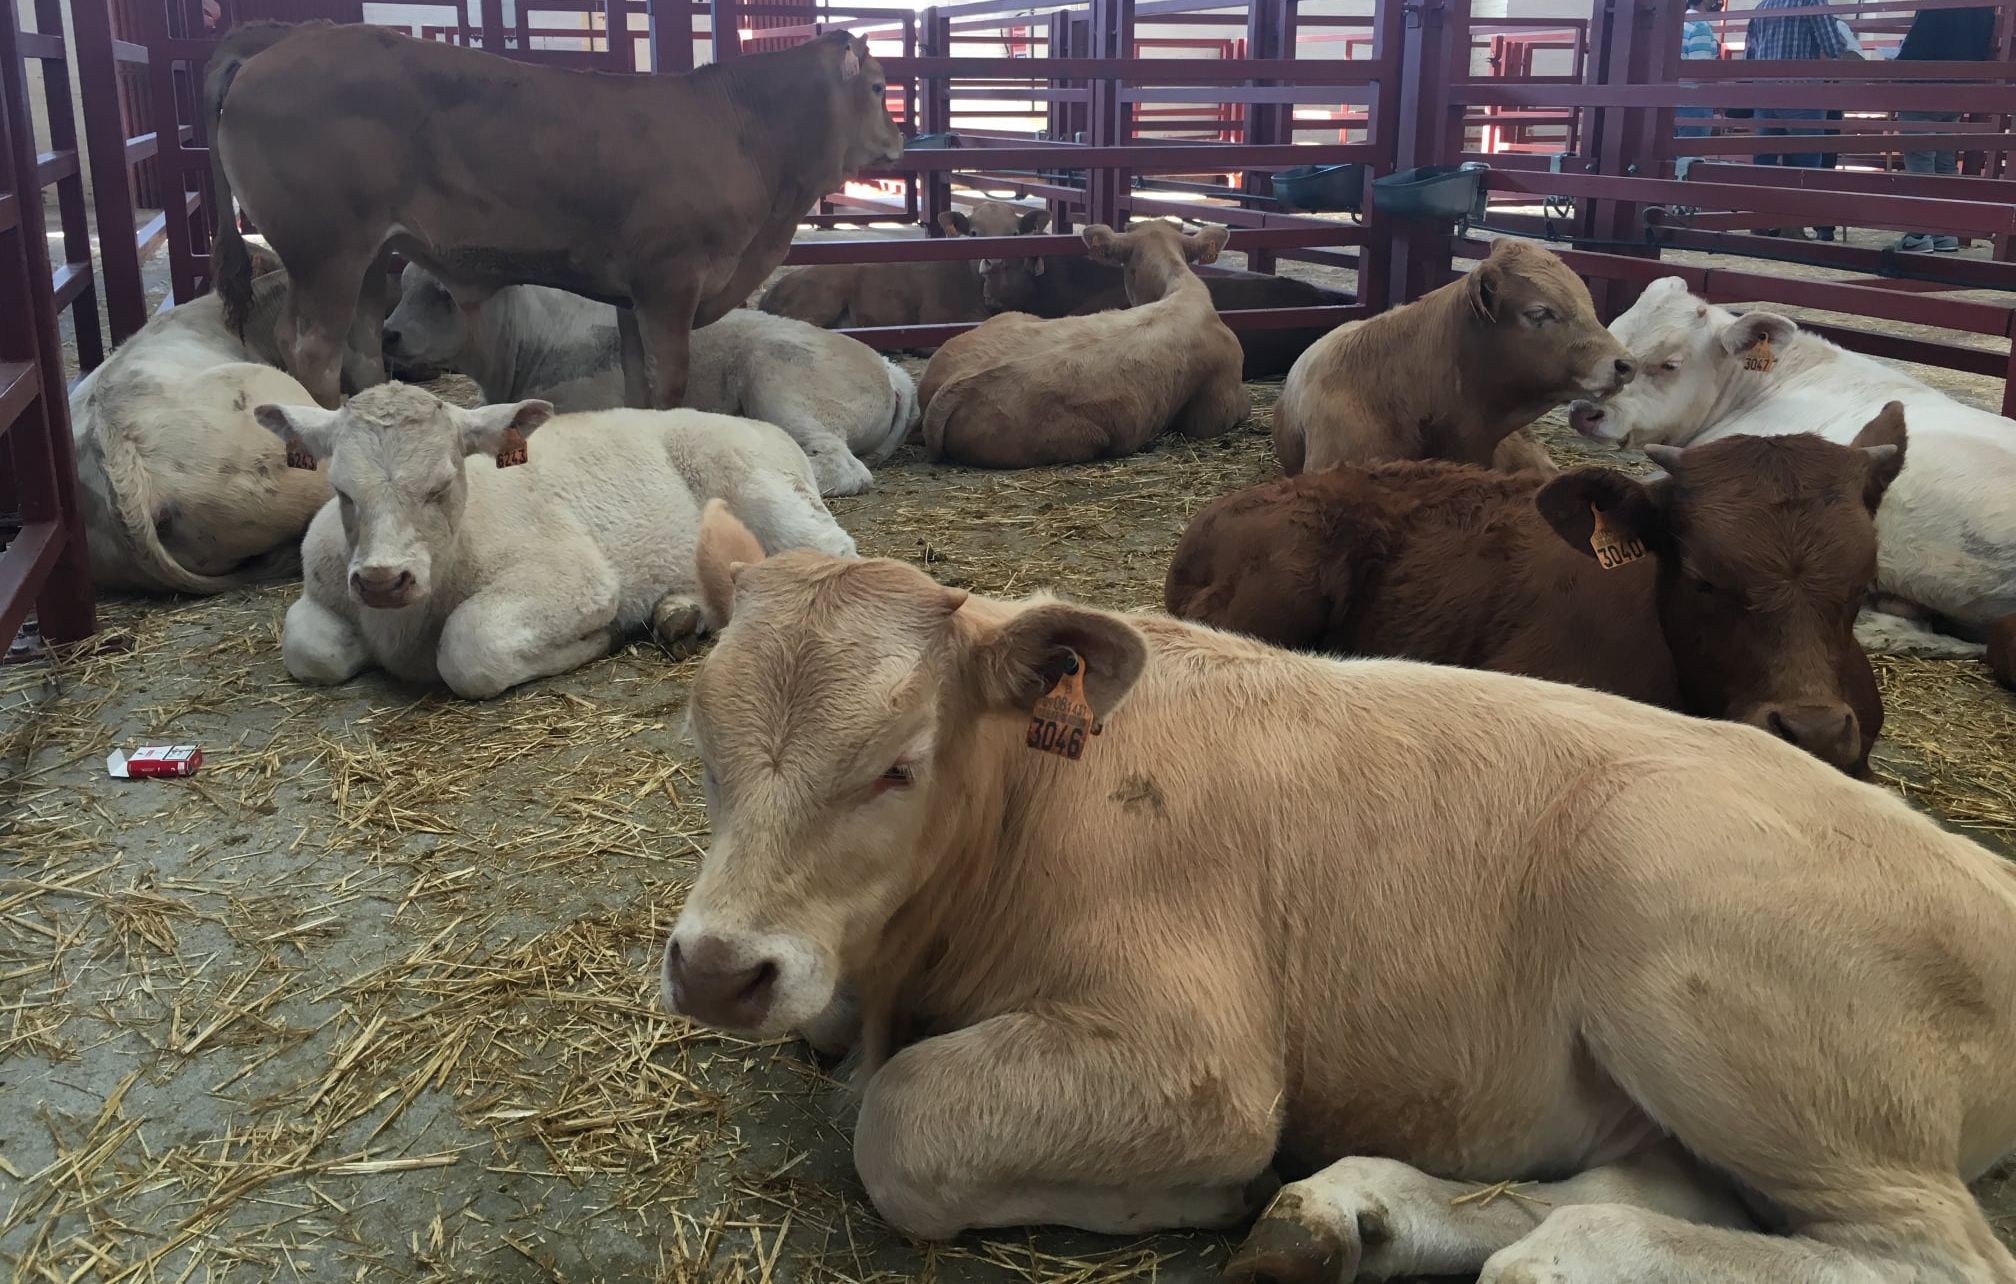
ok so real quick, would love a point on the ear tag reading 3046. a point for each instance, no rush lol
(1758, 355)
(1062, 720)
(1612, 550)
(511, 451)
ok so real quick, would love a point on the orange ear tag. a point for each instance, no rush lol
(298, 454)
(511, 452)
(1062, 719)
(1612, 550)
(1758, 355)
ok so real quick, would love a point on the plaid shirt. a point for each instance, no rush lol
(1815, 37)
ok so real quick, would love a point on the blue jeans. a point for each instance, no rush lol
(1930, 162)
(1793, 160)
(1692, 113)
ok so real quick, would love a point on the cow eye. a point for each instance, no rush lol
(1669, 367)
(1539, 313)
(440, 492)
(899, 776)
(878, 88)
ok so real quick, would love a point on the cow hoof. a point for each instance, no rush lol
(676, 623)
(1284, 1252)
(839, 473)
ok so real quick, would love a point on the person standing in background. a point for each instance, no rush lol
(1801, 38)
(1698, 40)
(1942, 35)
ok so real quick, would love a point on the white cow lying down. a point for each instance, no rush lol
(483, 576)
(183, 491)
(835, 396)
(1947, 529)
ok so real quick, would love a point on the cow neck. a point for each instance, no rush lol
(1165, 275)
(779, 103)
(1744, 391)
(1481, 382)
(522, 345)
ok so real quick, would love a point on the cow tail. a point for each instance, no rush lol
(944, 402)
(903, 419)
(230, 260)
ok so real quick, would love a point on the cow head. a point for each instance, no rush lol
(1153, 254)
(396, 464)
(428, 329)
(1006, 285)
(839, 722)
(1692, 356)
(1766, 549)
(860, 97)
(1534, 333)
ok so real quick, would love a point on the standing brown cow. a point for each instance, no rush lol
(674, 195)
(1731, 593)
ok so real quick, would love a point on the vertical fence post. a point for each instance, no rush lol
(725, 17)
(1430, 133)
(1269, 34)
(111, 175)
(1112, 37)
(934, 113)
(671, 35)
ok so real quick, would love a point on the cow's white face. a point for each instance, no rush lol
(428, 328)
(1689, 353)
(838, 723)
(396, 465)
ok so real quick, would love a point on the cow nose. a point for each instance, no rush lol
(391, 338)
(381, 581)
(1625, 368)
(1827, 731)
(707, 981)
(1585, 417)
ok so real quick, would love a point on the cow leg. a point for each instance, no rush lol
(364, 350)
(1364, 1218)
(677, 623)
(636, 384)
(1214, 412)
(784, 512)
(496, 639)
(1883, 633)
(319, 646)
(324, 308)
(665, 327)
(1019, 1120)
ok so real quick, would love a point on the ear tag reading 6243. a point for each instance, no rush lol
(511, 450)
(1062, 719)
(1612, 550)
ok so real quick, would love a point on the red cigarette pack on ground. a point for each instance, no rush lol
(155, 760)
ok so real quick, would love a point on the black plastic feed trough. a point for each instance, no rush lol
(1319, 188)
(1432, 193)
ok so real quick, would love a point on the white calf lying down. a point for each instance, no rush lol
(183, 491)
(1947, 529)
(484, 576)
(835, 396)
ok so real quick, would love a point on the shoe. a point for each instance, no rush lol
(1919, 243)
(1946, 244)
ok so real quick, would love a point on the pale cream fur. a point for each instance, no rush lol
(1105, 992)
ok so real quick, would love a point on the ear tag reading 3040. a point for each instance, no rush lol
(1612, 550)
(511, 451)
(1062, 719)
(1758, 355)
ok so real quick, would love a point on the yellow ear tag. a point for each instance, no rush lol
(1758, 355)
(1612, 550)
(1062, 719)
(511, 452)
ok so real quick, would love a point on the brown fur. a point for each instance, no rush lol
(1019, 392)
(345, 142)
(1453, 373)
(1454, 564)
(2002, 650)
(1494, 928)
(838, 295)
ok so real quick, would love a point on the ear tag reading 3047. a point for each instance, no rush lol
(1758, 355)
(1612, 550)
(1062, 719)
(511, 451)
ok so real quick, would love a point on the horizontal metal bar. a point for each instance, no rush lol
(1146, 158)
(24, 567)
(10, 212)
(1846, 69)
(1168, 71)
(127, 51)
(1256, 94)
(18, 385)
(1896, 347)
(34, 44)
(1850, 144)
(1910, 213)
(68, 281)
(955, 248)
(1899, 97)
(1950, 187)
(1962, 274)
(54, 167)
(142, 147)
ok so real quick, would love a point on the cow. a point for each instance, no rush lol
(1452, 374)
(346, 142)
(1671, 969)
(487, 572)
(840, 402)
(181, 490)
(1059, 285)
(943, 292)
(1020, 392)
(1947, 570)
(1728, 592)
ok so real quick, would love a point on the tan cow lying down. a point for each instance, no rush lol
(1019, 392)
(1751, 558)
(346, 142)
(836, 295)
(1454, 373)
(182, 490)
(1488, 928)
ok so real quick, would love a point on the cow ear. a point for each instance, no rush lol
(1206, 245)
(955, 224)
(1882, 442)
(309, 431)
(1746, 331)
(1033, 650)
(1483, 287)
(488, 430)
(1032, 222)
(1100, 239)
(725, 547)
(850, 57)
(1630, 508)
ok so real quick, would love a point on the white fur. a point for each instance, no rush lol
(840, 401)
(1948, 524)
(527, 571)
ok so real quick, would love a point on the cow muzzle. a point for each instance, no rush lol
(717, 983)
(385, 588)
(1826, 729)
(1592, 421)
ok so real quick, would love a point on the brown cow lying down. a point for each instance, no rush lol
(344, 142)
(1060, 285)
(1452, 374)
(1758, 550)
(1486, 928)
(1019, 392)
(839, 295)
